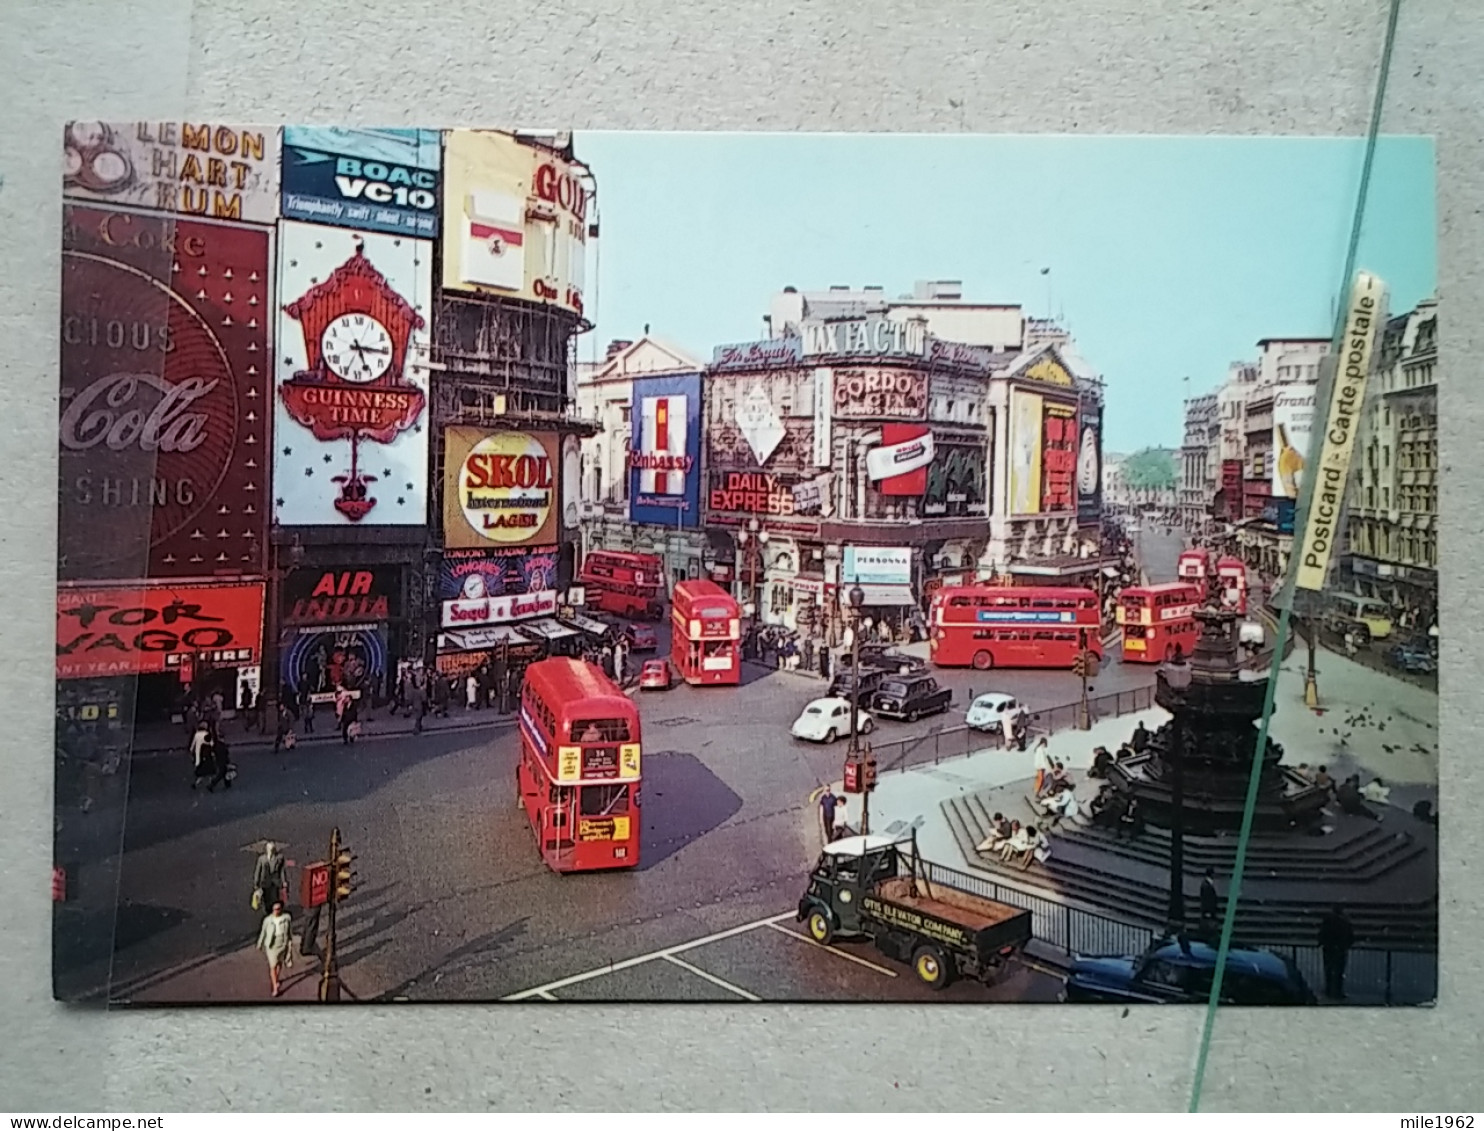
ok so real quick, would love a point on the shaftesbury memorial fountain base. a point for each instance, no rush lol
(1304, 857)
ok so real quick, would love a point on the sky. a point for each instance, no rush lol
(1168, 258)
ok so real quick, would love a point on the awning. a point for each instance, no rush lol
(478, 639)
(888, 596)
(546, 629)
(587, 624)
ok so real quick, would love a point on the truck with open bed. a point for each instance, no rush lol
(871, 887)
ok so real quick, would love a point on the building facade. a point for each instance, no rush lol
(1197, 475)
(860, 444)
(1392, 521)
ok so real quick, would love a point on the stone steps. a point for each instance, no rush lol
(1139, 893)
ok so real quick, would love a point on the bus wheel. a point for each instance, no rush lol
(931, 967)
(983, 661)
(821, 930)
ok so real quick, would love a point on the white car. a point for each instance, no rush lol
(825, 720)
(988, 712)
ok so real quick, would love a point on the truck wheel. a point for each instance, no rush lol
(931, 966)
(983, 661)
(821, 927)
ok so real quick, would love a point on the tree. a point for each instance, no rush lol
(1152, 469)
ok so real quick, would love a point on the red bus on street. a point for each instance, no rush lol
(1157, 619)
(989, 626)
(629, 585)
(1231, 585)
(578, 777)
(705, 633)
(1194, 567)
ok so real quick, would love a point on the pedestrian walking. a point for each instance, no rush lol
(221, 762)
(283, 729)
(246, 707)
(827, 803)
(201, 755)
(350, 720)
(1043, 764)
(269, 878)
(417, 701)
(471, 692)
(1336, 937)
(1210, 903)
(307, 710)
(274, 937)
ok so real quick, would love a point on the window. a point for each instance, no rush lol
(603, 800)
(600, 730)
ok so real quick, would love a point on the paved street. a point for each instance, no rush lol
(453, 902)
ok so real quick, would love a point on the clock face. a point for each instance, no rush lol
(357, 348)
(1087, 463)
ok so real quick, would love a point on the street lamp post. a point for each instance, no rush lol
(754, 538)
(1176, 675)
(272, 630)
(857, 601)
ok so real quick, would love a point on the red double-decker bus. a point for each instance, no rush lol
(1194, 567)
(1012, 627)
(1231, 585)
(705, 633)
(629, 585)
(578, 777)
(1157, 619)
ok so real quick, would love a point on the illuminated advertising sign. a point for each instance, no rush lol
(664, 459)
(1059, 459)
(376, 180)
(899, 465)
(501, 488)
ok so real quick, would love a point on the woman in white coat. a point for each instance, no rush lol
(274, 937)
(1043, 766)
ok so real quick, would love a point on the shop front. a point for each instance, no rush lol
(342, 627)
(184, 641)
(885, 577)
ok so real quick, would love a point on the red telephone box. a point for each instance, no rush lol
(852, 775)
(314, 885)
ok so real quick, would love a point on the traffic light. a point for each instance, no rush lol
(868, 775)
(1094, 663)
(1079, 665)
(344, 878)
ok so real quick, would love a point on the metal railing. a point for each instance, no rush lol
(962, 741)
(1373, 976)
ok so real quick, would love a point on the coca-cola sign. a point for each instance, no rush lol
(162, 439)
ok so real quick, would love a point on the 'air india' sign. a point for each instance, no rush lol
(501, 488)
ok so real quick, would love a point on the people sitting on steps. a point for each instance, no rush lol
(1000, 830)
(1350, 801)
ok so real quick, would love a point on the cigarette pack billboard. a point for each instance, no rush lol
(515, 219)
(664, 458)
(898, 466)
(163, 449)
(1090, 463)
(350, 443)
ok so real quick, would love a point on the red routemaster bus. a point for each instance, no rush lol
(630, 585)
(1157, 619)
(705, 631)
(578, 777)
(1012, 627)
(1231, 585)
(1195, 567)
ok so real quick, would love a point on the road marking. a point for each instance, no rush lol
(544, 996)
(712, 978)
(838, 953)
(640, 960)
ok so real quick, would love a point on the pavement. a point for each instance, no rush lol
(236, 977)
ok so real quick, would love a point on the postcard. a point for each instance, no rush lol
(552, 567)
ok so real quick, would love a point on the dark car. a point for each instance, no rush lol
(641, 637)
(1415, 659)
(910, 697)
(884, 658)
(1339, 626)
(1176, 971)
(870, 683)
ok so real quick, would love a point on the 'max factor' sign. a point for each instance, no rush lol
(865, 337)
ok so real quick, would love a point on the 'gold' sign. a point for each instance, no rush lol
(1048, 372)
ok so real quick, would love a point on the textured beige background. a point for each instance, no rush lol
(1087, 66)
